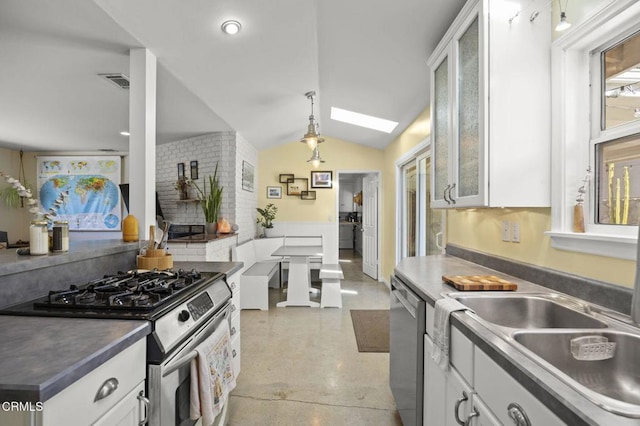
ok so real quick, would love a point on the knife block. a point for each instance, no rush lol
(155, 259)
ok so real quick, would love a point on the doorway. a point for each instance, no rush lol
(358, 219)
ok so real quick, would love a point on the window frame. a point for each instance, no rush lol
(574, 85)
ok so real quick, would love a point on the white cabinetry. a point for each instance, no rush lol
(490, 108)
(112, 394)
(475, 389)
(506, 397)
(234, 283)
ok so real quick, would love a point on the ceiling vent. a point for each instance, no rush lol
(120, 80)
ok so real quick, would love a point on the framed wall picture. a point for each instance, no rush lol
(308, 195)
(284, 178)
(321, 179)
(274, 192)
(180, 170)
(247, 176)
(295, 186)
(194, 169)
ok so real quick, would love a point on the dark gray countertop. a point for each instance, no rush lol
(12, 263)
(424, 276)
(40, 357)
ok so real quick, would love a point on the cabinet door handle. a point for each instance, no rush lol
(147, 405)
(106, 389)
(464, 398)
(453, 201)
(444, 193)
(471, 415)
(518, 415)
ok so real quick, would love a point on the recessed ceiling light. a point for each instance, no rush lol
(363, 120)
(125, 133)
(231, 27)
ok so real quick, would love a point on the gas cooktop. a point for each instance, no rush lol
(132, 294)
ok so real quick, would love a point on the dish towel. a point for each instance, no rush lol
(212, 376)
(441, 330)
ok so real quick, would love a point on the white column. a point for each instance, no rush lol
(142, 138)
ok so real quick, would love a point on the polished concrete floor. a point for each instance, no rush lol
(301, 366)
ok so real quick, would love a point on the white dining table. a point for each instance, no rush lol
(299, 283)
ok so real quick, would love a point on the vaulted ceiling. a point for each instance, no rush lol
(365, 56)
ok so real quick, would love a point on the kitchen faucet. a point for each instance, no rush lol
(635, 300)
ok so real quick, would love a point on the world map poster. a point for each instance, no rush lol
(93, 200)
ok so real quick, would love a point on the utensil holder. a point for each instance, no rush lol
(155, 259)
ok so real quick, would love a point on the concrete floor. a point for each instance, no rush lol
(301, 366)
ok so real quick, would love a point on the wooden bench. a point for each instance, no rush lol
(258, 271)
(331, 274)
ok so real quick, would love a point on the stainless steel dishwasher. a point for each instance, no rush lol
(406, 351)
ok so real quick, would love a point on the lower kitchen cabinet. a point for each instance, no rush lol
(108, 395)
(475, 390)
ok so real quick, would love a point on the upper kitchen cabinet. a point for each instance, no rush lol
(490, 103)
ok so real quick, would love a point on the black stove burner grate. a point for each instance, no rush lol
(127, 291)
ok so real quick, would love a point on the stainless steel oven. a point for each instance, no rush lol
(406, 351)
(169, 383)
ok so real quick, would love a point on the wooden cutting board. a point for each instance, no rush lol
(479, 283)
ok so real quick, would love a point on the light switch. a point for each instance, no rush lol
(515, 232)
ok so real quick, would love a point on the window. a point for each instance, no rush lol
(596, 126)
(420, 227)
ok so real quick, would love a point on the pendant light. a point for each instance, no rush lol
(563, 24)
(312, 137)
(315, 159)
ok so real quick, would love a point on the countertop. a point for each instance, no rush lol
(424, 276)
(12, 263)
(40, 357)
(224, 267)
(201, 238)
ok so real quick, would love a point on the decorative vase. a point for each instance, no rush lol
(269, 232)
(184, 194)
(211, 228)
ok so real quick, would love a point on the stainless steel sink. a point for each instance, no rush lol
(528, 311)
(608, 375)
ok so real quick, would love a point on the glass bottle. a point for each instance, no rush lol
(38, 237)
(61, 236)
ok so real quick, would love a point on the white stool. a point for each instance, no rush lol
(331, 296)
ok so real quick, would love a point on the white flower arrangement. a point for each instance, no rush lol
(32, 202)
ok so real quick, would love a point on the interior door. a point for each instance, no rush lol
(370, 225)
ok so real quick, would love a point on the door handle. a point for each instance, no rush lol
(147, 405)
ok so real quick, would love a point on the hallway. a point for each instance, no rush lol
(301, 366)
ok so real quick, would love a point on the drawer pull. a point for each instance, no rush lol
(107, 388)
(233, 331)
(147, 405)
(518, 415)
(464, 398)
(233, 308)
(234, 353)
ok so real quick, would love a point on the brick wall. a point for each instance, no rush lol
(228, 150)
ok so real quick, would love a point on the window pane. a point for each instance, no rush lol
(441, 129)
(469, 99)
(621, 73)
(618, 189)
(410, 210)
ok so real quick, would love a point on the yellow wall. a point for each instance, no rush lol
(291, 158)
(480, 229)
(412, 136)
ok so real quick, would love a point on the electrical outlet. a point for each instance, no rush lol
(515, 232)
(506, 231)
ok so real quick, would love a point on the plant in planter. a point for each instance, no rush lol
(211, 201)
(267, 215)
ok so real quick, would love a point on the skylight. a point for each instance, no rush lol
(363, 120)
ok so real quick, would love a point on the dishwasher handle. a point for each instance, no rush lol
(405, 296)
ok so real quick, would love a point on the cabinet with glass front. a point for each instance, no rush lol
(490, 80)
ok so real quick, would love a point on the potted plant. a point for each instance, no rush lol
(266, 217)
(211, 201)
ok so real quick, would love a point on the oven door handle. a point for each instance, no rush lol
(206, 332)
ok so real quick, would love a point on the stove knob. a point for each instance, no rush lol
(183, 316)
